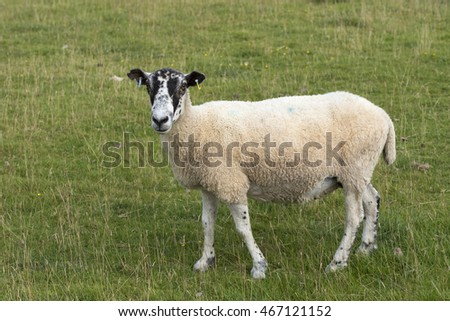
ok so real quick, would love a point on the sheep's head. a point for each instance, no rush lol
(167, 89)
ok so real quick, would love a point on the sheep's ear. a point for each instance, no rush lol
(139, 75)
(194, 78)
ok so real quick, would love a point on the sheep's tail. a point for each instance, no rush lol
(389, 147)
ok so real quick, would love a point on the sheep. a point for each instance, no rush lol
(282, 150)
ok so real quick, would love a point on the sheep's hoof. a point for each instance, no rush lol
(366, 249)
(203, 265)
(335, 266)
(259, 270)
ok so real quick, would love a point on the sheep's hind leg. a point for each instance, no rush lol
(242, 220)
(209, 210)
(371, 205)
(355, 214)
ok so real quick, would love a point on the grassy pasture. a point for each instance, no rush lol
(72, 229)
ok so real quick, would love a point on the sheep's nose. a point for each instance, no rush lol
(160, 122)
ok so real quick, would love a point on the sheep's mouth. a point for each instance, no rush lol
(163, 131)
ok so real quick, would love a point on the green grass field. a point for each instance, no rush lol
(72, 229)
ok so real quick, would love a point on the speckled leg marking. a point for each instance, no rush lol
(371, 205)
(209, 211)
(242, 220)
(355, 214)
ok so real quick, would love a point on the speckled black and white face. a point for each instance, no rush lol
(167, 89)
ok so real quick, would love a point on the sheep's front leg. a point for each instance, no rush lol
(242, 220)
(209, 210)
(355, 214)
